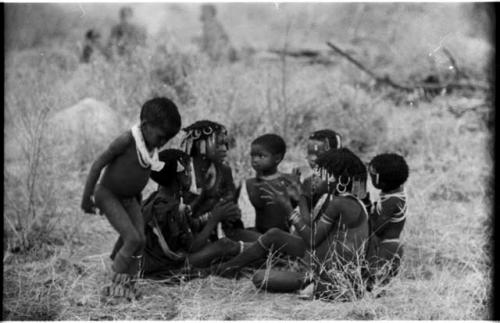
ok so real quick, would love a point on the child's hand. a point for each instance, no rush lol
(225, 211)
(296, 172)
(293, 190)
(272, 196)
(88, 206)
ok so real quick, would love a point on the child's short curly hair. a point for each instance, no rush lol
(334, 138)
(168, 173)
(392, 169)
(161, 112)
(342, 162)
(272, 142)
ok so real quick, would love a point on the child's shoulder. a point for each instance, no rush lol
(124, 140)
(125, 137)
(250, 181)
(393, 198)
(290, 177)
(344, 201)
(225, 168)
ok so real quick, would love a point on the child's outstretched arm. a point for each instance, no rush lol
(116, 148)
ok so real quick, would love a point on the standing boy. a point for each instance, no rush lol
(128, 162)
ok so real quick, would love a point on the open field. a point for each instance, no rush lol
(56, 257)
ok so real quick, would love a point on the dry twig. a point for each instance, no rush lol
(386, 80)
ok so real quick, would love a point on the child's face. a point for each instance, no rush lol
(262, 159)
(156, 137)
(217, 151)
(314, 149)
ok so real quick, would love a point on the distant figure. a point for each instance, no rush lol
(92, 43)
(215, 41)
(125, 36)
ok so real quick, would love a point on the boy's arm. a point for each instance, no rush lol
(220, 212)
(323, 226)
(295, 191)
(382, 215)
(116, 148)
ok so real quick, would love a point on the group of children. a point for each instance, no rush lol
(192, 223)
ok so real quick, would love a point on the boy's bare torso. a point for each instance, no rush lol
(124, 176)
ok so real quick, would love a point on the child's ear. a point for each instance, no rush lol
(278, 158)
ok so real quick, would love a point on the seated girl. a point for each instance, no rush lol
(333, 242)
(171, 244)
(206, 143)
(388, 173)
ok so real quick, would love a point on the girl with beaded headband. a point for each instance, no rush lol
(212, 180)
(334, 240)
(171, 246)
(313, 187)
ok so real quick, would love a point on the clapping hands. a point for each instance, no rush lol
(274, 196)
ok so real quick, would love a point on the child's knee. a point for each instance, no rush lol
(227, 243)
(270, 236)
(135, 241)
(258, 278)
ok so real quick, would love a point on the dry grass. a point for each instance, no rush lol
(446, 270)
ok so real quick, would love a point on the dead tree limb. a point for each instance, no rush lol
(309, 53)
(386, 80)
(458, 72)
(380, 80)
(460, 112)
(352, 60)
(314, 56)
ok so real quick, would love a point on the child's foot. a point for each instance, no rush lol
(114, 295)
(122, 290)
(308, 292)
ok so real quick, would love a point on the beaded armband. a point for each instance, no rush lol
(295, 215)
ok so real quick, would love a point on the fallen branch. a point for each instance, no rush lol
(310, 53)
(460, 112)
(386, 80)
(314, 56)
(458, 72)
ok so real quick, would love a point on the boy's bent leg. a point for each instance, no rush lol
(116, 214)
(254, 252)
(278, 281)
(235, 230)
(276, 239)
(134, 211)
(242, 234)
(285, 242)
(118, 245)
(220, 248)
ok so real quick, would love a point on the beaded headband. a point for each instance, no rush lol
(201, 137)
